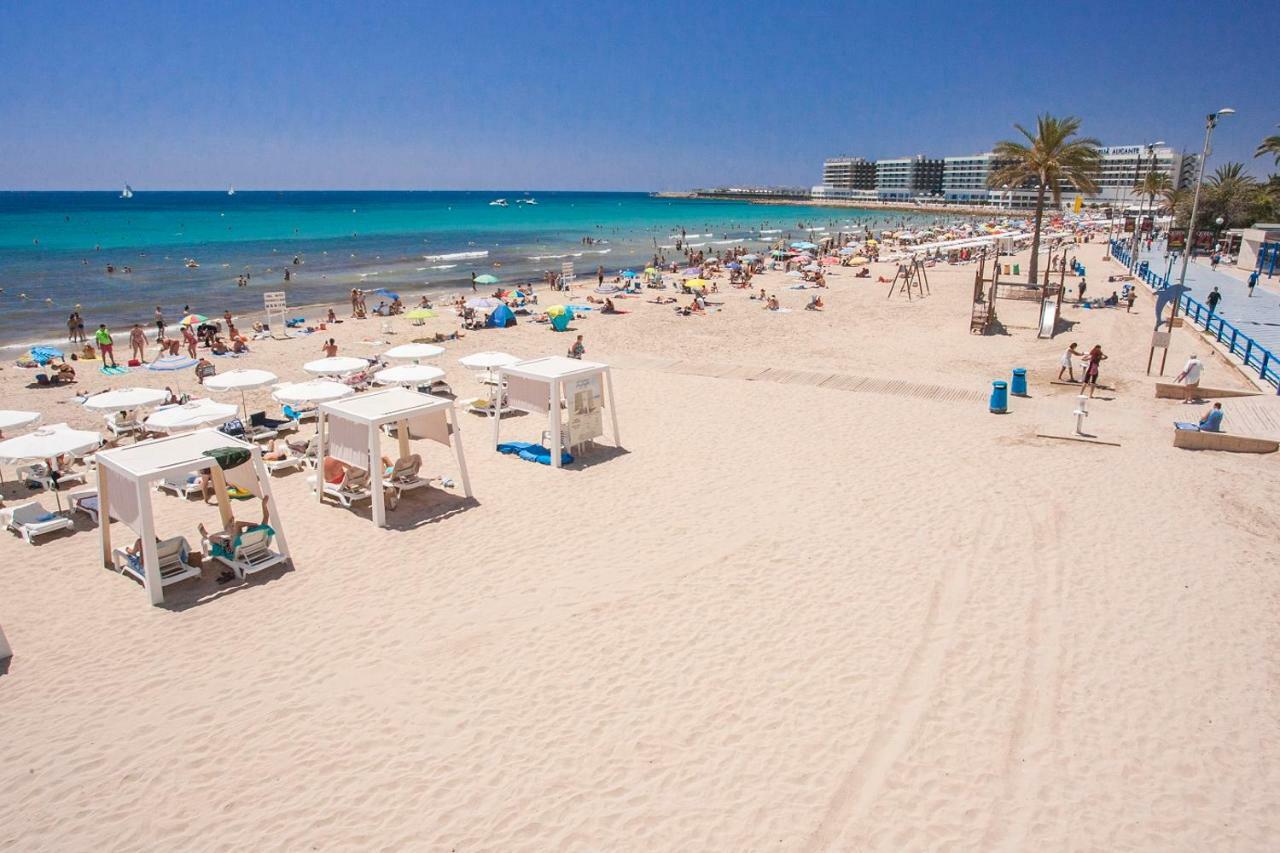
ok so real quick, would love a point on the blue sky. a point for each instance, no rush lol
(597, 95)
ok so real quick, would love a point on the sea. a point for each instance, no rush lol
(177, 250)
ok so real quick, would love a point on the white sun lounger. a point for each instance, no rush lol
(172, 554)
(290, 461)
(86, 502)
(354, 487)
(182, 486)
(404, 475)
(31, 520)
(252, 553)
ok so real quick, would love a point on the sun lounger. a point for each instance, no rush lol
(404, 475)
(86, 502)
(299, 415)
(291, 460)
(260, 421)
(250, 552)
(121, 423)
(39, 473)
(31, 520)
(354, 487)
(172, 555)
(1190, 437)
(181, 485)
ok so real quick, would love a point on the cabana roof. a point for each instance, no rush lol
(379, 407)
(553, 367)
(150, 459)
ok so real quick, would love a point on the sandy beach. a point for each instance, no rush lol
(822, 601)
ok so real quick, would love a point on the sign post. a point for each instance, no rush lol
(276, 304)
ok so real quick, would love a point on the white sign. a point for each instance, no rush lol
(1160, 339)
(274, 301)
(586, 410)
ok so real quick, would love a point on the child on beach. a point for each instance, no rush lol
(1066, 362)
(578, 350)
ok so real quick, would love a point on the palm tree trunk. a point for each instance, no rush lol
(1035, 237)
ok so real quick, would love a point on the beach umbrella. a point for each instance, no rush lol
(483, 302)
(693, 271)
(124, 399)
(751, 257)
(796, 274)
(629, 273)
(193, 414)
(193, 320)
(314, 391)
(848, 250)
(382, 291)
(241, 380)
(49, 443)
(420, 314)
(486, 279)
(408, 374)
(336, 366)
(555, 310)
(829, 261)
(806, 268)
(15, 419)
(490, 360)
(414, 351)
(695, 284)
(734, 266)
(44, 355)
(802, 244)
(778, 253)
(172, 362)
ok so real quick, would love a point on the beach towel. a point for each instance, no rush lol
(113, 371)
(531, 452)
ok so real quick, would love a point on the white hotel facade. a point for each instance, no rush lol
(964, 179)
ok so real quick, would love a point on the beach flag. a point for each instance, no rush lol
(1079, 203)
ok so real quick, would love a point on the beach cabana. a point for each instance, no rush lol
(350, 430)
(125, 477)
(538, 386)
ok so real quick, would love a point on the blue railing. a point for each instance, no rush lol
(1254, 354)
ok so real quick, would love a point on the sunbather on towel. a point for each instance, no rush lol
(335, 471)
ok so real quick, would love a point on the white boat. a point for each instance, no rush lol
(498, 202)
(128, 192)
(231, 190)
(526, 201)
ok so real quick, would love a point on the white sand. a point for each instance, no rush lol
(790, 617)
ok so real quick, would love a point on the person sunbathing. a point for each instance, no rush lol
(335, 470)
(219, 346)
(773, 304)
(609, 307)
(815, 303)
(223, 543)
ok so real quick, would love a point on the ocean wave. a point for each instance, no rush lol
(457, 256)
(770, 230)
(549, 257)
(443, 266)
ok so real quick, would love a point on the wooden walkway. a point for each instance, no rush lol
(814, 378)
(1253, 416)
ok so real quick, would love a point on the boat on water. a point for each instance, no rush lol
(526, 201)
(498, 202)
(231, 190)
(128, 192)
(192, 264)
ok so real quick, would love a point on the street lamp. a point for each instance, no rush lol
(1211, 121)
(1217, 232)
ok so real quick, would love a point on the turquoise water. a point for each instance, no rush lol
(55, 247)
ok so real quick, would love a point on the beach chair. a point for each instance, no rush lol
(260, 421)
(204, 371)
(354, 487)
(404, 475)
(85, 502)
(172, 554)
(31, 520)
(305, 449)
(299, 415)
(122, 423)
(182, 485)
(250, 552)
(291, 460)
(40, 474)
(439, 387)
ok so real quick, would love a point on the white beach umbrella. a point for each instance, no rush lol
(125, 399)
(414, 351)
(315, 391)
(14, 419)
(336, 366)
(196, 413)
(49, 443)
(806, 268)
(408, 374)
(487, 360)
(242, 380)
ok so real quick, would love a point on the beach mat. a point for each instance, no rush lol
(530, 452)
(113, 371)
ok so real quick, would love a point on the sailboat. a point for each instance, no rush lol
(231, 190)
(128, 192)
(498, 202)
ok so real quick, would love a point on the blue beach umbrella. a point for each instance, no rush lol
(172, 362)
(803, 245)
(628, 273)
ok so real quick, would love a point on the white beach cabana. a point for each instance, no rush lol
(125, 477)
(350, 430)
(539, 385)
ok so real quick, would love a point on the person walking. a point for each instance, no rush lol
(1093, 366)
(1253, 282)
(1191, 374)
(106, 346)
(1213, 299)
(189, 338)
(1083, 286)
(473, 281)
(159, 322)
(1129, 298)
(1066, 362)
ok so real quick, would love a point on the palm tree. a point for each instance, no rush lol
(1049, 157)
(1175, 200)
(1153, 185)
(1270, 145)
(1230, 193)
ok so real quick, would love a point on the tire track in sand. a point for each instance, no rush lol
(901, 719)
(1035, 718)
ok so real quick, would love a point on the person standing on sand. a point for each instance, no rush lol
(71, 326)
(1083, 286)
(105, 345)
(1092, 367)
(599, 275)
(138, 342)
(473, 281)
(189, 338)
(1191, 373)
(159, 322)
(1066, 364)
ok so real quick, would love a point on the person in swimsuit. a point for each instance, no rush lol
(1092, 368)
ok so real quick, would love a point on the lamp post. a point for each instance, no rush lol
(1217, 232)
(1142, 204)
(1210, 122)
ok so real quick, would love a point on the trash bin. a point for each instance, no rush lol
(1142, 268)
(1017, 269)
(1019, 385)
(999, 398)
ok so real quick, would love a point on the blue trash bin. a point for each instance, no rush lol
(999, 398)
(1019, 386)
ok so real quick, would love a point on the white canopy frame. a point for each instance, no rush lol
(554, 372)
(139, 465)
(373, 410)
